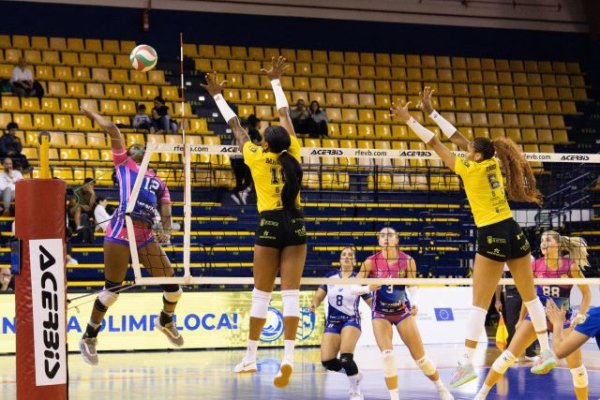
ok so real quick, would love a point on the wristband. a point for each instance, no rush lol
(447, 128)
(280, 99)
(224, 108)
(423, 133)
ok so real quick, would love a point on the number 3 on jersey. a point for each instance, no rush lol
(277, 177)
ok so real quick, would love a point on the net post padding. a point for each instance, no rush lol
(40, 303)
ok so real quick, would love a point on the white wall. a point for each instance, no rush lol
(535, 14)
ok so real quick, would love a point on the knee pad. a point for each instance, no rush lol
(172, 296)
(580, 377)
(347, 361)
(107, 298)
(332, 365)
(260, 303)
(389, 363)
(503, 362)
(426, 365)
(291, 303)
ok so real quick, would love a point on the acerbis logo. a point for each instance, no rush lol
(49, 311)
(575, 157)
(229, 149)
(415, 153)
(326, 152)
(273, 327)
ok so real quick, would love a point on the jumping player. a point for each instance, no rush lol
(281, 234)
(391, 308)
(342, 329)
(499, 238)
(153, 200)
(551, 265)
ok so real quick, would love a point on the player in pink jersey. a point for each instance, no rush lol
(551, 265)
(392, 308)
(153, 203)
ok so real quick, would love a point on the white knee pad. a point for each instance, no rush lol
(426, 365)
(503, 362)
(291, 303)
(108, 298)
(260, 304)
(389, 363)
(475, 323)
(173, 297)
(580, 377)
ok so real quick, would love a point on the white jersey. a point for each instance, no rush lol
(343, 304)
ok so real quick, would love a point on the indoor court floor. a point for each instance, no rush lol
(208, 375)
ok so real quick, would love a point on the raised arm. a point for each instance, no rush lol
(447, 128)
(424, 134)
(216, 90)
(278, 66)
(116, 139)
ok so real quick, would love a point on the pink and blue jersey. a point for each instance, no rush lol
(389, 299)
(153, 191)
(560, 294)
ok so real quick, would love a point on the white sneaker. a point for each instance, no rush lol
(170, 331)
(87, 348)
(282, 379)
(245, 367)
(355, 392)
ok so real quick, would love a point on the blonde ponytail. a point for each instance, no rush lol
(576, 246)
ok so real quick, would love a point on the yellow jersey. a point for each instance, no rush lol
(267, 173)
(484, 186)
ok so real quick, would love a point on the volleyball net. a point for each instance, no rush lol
(349, 195)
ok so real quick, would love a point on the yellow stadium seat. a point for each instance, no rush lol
(88, 155)
(557, 121)
(103, 176)
(58, 43)
(127, 46)
(239, 52)
(509, 105)
(349, 115)
(231, 95)
(39, 42)
(319, 70)
(95, 90)
(97, 140)
(382, 86)
(63, 73)
(510, 92)
(5, 41)
(382, 101)
(382, 72)
(63, 122)
(100, 75)
(351, 85)
(20, 41)
(32, 104)
(382, 116)
(350, 99)
(109, 107)
(57, 139)
(366, 115)
(251, 81)
(122, 61)
(111, 46)
(245, 110)
(552, 106)
(223, 52)
(132, 92)
(44, 73)
(50, 57)
(75, 44)
(93, 45)
(120, 119)
(170, 93)
(33, 56)
(41, 122)
(478, 104)
(81, 74)
(190, 50)
(536, 92)
(156, 77)
(351, 71)
(75, 89)
(295, 97)
(12, 56)
(551, 92)
(366, 100)
(256, 53)
(75, 140)
(383, 59)
(70, 58)
(347, 131)
(82, 123)
(301, 83)
(88, 59)
(114, 91)
(90, 104)
(334, 84)
(150, 92)
(367, 71)
(106, 61)
(48, 104)
(198, 125)
(11, 103)
(479, 119)
(127, 107)
(138, 76)
(23, 120)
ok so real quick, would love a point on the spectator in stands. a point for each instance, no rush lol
(8, 178)
(161, 120)
(142, 120)
(22, 81)
(5, 277)
(81, 205)
(301, 119)
(101, 215)
(10, 146)
(320, 118)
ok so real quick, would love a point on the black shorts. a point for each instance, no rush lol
(279, 229)
(502, 241)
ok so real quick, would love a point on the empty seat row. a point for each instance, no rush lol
(396, 73)
(110, 90)
(205, 51)
(72, 44)
(52, 57)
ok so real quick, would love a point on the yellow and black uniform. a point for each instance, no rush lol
(499, 237)
(277, 228)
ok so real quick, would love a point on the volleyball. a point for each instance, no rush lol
(143, 58)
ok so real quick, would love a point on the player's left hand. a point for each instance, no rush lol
(278, 67)
(401, 111)
(414, 310)
(555, 315)
(212, 87)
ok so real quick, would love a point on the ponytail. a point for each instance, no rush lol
(576, 246)
(520, 181)
(292, 172)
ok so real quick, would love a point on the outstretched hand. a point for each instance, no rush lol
(278, 67)
(401, 111)
(212, 87)
(555, 314)
(425, 102)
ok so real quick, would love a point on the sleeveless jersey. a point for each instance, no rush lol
(560, 294)
(389, 299)
(152, 191)
(343, 305)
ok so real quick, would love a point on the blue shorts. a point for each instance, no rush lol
(591, 326)
(393, 319)
(337, 326)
